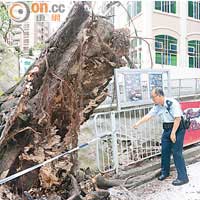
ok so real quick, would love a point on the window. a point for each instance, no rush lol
(26, 35)
(191, 49)
(26, 26)
(159, 45)
(134, 8)
(165, 50)
(173, 47)
(194, 53)
(194, 9)
(25, 48)
(26, 41)
(166, 6)
(135, 52)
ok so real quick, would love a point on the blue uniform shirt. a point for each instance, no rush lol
(162, 111)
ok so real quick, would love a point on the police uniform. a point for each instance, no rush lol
(168, 112)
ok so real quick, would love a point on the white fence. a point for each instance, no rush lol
(125, 145)
(184, 87)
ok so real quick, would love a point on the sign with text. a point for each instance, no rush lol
(192, 110)
(155, 81)
(25, 63)
(20, 11)
(134, 86)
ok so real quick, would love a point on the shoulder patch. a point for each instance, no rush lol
(169, 103)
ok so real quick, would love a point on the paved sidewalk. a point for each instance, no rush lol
(164, 190)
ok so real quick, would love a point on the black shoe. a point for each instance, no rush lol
(179, 182)
(162, 177)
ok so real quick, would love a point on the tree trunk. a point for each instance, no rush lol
(40, 117)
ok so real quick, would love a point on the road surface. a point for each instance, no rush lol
(164, 190)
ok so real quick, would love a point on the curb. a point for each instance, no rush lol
(135, 176)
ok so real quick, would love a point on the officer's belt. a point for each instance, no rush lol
(168, 125)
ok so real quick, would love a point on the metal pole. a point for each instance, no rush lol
(97, 142)
(196, 82)
(114, 142)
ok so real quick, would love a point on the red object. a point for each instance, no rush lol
(192, 110)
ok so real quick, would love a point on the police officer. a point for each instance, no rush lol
(173, 135)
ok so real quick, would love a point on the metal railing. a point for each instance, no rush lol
(125, 145)
(184, 87)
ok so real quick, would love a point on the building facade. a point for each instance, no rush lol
(164, 34)
(44, 19)
(28, 34)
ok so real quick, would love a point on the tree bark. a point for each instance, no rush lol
(40, 116)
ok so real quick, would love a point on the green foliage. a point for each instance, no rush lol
(5, 22)
(18, 49)
(8, 66)
(30, 53)
(1, 92)
(39, 46)
(16, 78)
(2, 73)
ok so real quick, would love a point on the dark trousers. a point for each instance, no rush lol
(176, 148)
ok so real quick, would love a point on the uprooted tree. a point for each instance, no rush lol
(40, 116)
